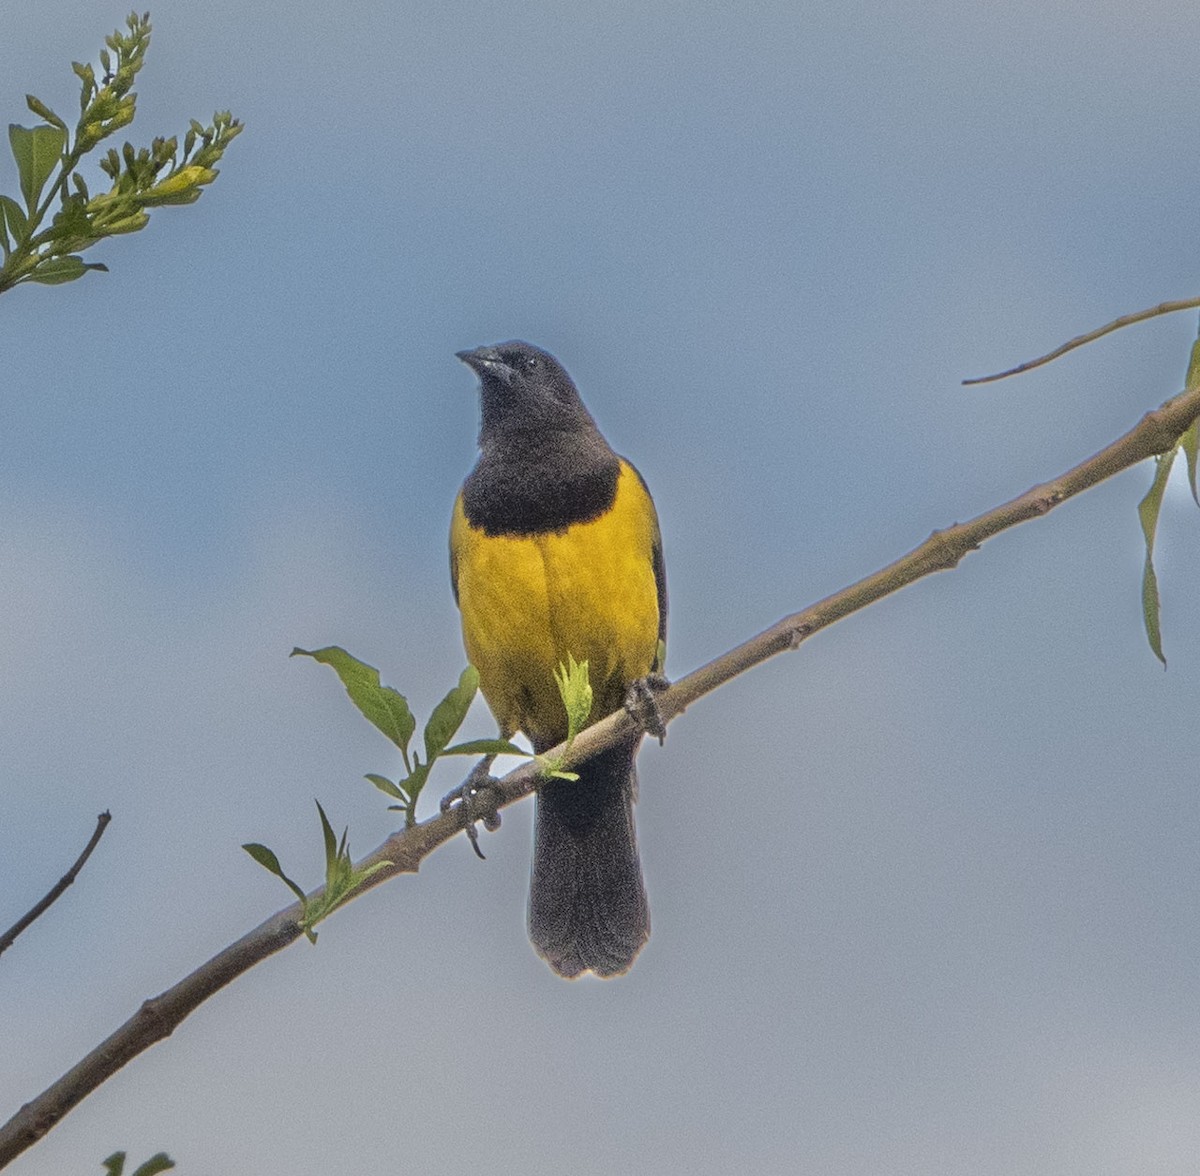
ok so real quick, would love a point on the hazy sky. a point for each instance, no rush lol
(924, 893)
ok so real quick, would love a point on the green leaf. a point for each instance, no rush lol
(371, 871)
(43, 111)
(87, 76)
(341, 878)
(551, 771)
(383, 706)
(1148, 511)
(1150, 610)
(17, 223)
(331, 850)
(486, 747)
(38, 151)
(72, 220)
(576, 691)
(448, 715)
(115, 1164)
(385, 785)
(1193, 368)
(155, 1164)
(56, 270)
(267, 859)
(1190, 443)
(1191, 439)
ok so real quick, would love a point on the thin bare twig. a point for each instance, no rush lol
(6, 940)
(1126, 320)
(403, 851)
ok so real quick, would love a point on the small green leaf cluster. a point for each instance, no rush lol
(341, 877)
(1150, 508)
(388, 710)
(115, 1165)
(575, 687)
(141, 178)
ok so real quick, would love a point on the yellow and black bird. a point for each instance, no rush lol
(554, 552)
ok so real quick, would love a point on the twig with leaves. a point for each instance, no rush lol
(1150, 507)
(48, 156)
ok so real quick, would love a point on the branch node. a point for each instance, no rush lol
(945, 548)
(799, 634)
(1162, 431)
(151, 1014)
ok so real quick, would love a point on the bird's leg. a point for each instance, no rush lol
(477, 796)
(641, 704)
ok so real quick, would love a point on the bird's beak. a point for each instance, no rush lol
(485, 362)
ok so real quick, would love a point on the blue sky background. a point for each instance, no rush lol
(924, 893)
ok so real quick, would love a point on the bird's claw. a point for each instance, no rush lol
(641, 704)
(477, 797)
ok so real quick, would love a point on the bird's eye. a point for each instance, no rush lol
(531, 363)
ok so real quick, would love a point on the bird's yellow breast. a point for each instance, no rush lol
(529, 601)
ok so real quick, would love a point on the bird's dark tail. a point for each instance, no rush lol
(587, 904)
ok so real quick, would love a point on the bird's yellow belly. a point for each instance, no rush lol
(529, 601)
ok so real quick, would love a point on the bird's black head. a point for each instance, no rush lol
(523, 389)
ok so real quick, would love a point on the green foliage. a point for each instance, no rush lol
(141, 179)
(1148, 512)
(1150, 508)
(383, 706)
(388, 710)
(341, 877)
(115, 1165)
(1190, 442)
(575, 689)
(37, 151)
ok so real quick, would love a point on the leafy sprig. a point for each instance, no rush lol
(341, 877)
(1150, 508)
(47, 157)
(575, 688)
(388, 710)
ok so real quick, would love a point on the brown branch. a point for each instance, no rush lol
(403, 851)
(1126, 320)
(6, 940)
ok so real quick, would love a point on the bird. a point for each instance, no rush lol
(556, 553)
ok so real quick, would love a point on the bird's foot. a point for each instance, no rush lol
(641, 704)
(477, 798)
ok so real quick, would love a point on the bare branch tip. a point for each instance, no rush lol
(972, 381)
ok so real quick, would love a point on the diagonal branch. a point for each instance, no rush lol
(403, 851)
(6, 940)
